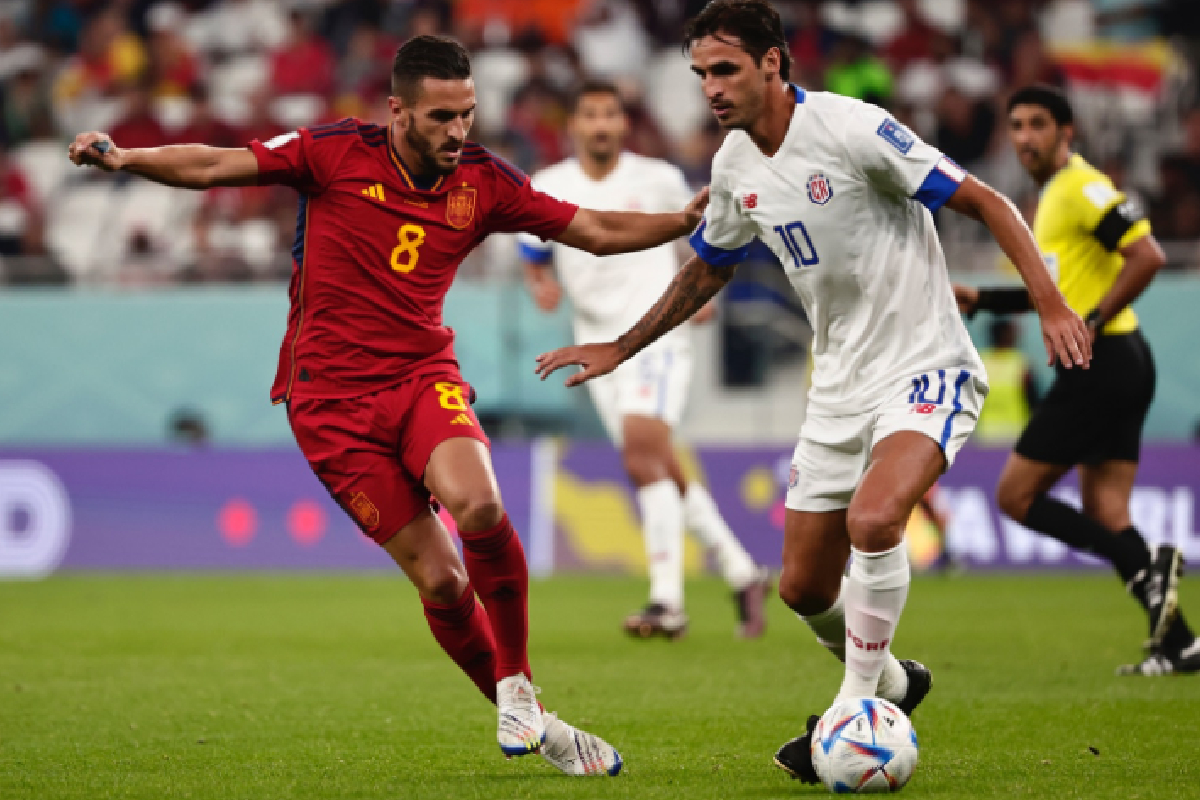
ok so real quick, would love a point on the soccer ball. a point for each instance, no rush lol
(864, 745)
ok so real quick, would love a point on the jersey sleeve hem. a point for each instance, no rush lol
(535, 253)
(940, 184)
(716, 256)
(1138, 231)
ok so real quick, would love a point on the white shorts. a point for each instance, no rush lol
(654, 383)
(834, 451)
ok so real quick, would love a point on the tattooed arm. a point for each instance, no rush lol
(694, 286)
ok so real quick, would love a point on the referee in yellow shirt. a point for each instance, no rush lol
(1099, 247)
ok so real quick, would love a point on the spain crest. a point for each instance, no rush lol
(364, 510)
(460, 206)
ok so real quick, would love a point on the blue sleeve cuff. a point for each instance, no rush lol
(535, 254)
(940, 184)
(716, 256)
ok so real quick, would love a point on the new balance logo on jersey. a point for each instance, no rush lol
(867, 646)
(750, 201)
(375, 192)
(924, 408)
(461, 419)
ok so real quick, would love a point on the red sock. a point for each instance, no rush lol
(464, 632)
(495, 563)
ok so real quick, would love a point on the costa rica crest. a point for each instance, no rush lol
(460, 206)
(820, 190)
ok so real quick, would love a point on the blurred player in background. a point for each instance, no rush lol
(643, 400)
(843, 194)
(1101, 250)
(1014, 389)
(367, 369)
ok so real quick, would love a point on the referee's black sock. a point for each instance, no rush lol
(1126, 550)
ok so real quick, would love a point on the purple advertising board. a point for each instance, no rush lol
(264, 510)
(193, 509)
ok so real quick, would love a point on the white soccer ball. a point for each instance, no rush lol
(864, 745)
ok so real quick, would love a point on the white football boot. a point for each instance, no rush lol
(521, 730)
(577, 752)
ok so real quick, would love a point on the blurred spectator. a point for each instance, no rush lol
(204, 127)
(916, 41)
(305, 63)
(237, 27)
(965, 127)
(610, 40)
(20, 215)
(110, 58)
(174, 69)
(138, 127)
(810, 44)
(25, 97)
(187, 427)
(1031, 63)
(855, 72)
(365, 70)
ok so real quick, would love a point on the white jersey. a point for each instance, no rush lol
(611, 293)
(845, 205)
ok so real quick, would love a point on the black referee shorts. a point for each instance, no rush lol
(1095, 415)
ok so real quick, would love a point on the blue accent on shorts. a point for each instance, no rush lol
(946, 431)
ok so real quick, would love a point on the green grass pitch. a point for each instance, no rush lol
(331, 687)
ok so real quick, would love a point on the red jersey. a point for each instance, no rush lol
(375, 252)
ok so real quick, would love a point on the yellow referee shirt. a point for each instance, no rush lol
(1082, 222)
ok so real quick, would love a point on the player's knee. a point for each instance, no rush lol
(1014, 499)
(876, 528)
(804, 595)
(643, 468)
(443, 583)
(477, 511)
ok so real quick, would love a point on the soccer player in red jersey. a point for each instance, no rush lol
(367, 369)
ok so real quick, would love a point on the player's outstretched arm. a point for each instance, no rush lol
(694, 286)
(606, 233)
(543, 285)
(1066, 337)
(189, 166)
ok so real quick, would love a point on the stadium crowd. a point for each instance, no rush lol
(227, 71)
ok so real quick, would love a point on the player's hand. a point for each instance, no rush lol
(707, 313)
(596, 360)
(1066, 337)
(967, 297)
(95, 149)
(694, 210)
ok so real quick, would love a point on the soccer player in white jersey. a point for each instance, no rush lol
(843, 194)
(643, 400)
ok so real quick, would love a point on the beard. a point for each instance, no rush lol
(427, 154)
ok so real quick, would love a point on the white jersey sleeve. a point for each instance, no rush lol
(897, 161)
(726, 231)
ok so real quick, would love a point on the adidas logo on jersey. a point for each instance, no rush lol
(461, 419)
(375, 192)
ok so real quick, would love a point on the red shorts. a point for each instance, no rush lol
(371, 451)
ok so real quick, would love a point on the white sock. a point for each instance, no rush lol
(830, 629)
(830, 626)
(704, 519)
(874, 596)
(662, 526)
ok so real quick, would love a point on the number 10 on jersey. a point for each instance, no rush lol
(804, 255)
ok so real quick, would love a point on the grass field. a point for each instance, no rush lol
(314, 687)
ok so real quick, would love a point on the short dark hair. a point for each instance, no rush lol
(755, 23)
(428, 57)
(1048, 97)
(595, 86)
